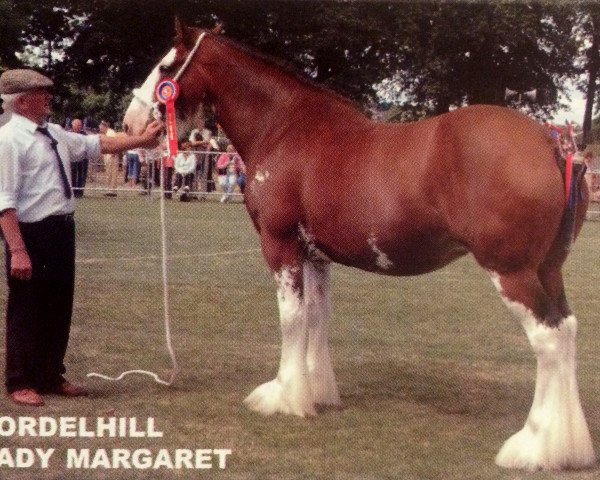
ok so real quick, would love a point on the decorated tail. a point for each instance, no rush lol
(573, 176)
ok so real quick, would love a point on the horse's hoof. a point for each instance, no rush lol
(272, 397)
(527, 450)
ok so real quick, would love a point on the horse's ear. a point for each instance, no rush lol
(179, 28)
(183, 34)
(219, 28)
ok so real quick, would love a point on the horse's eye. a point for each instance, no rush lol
(163, 68)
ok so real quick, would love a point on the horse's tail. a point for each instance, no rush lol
(575, 199)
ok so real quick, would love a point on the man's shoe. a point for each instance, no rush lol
(26, 396)
(68, 389)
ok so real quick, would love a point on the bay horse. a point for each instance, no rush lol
(327, 184)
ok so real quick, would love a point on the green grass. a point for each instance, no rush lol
(433, 371)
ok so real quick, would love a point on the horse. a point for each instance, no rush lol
(328, 184)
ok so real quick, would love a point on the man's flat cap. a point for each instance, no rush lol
(21, 80)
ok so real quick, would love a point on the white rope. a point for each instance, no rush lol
(167, 315)
(189, 57)
(165, 278)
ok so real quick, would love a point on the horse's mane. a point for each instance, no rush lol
(286, 67)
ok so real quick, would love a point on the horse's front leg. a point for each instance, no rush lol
(290, 391)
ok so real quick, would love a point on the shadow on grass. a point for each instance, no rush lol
(447, 390)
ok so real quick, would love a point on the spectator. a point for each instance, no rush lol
(133, 167)
(185, 167)
(202, 139)
(152, 159)
(227, 166)
(241, 174)
(591, 177)
(79, 170)
(168, 164)
(111, 161)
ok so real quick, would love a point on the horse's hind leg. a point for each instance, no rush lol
(317, 293)
(555, 435)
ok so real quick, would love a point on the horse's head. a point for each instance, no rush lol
(178, 64)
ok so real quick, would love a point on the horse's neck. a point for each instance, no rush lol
(256, 104)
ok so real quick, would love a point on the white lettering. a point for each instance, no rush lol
(44, 456)
(162, 459)
(27, 425)
(101, 459)
(183, 458)
(122, 427)
(108, 426)
(151, 432)
(120, 458)
(78, 458)
(6, 459)
(123, 458)
(47, 427)
(24, 458)
(222, 454)
(68, 427)
(202, 456)
(8, 426)
(133, 432)
(83, 432)
(145, 461)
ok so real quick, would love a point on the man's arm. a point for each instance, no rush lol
(122, 142)
(20, 263)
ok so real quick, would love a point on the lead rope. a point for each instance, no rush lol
(165, 279)
(163, 228)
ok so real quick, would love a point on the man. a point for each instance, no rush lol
(111, 161)
(79, 170)
(36, 220)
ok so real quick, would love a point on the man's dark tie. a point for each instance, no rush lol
(61, 167)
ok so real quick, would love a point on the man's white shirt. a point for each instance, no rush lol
(30, 179)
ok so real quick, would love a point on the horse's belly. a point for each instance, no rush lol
(408, 257)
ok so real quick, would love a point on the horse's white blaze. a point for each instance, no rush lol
(382, 260)
(140, 109)
(290, 392)
(555, 434)
(138, 112)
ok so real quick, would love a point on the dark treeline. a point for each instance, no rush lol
(413, 58)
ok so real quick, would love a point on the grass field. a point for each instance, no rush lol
(433, 371)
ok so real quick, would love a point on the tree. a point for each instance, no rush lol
(424, 57)
(458, 54)
(50, 29)
(589, 31)
(12, 24)
(119, 42)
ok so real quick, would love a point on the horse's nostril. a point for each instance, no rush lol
(126, 128)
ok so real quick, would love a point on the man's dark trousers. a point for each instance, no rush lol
(38, 314)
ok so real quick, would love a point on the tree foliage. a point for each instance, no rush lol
(421, 57)
(12, 23)
(588, 30)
